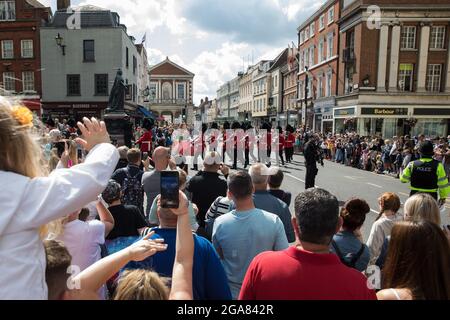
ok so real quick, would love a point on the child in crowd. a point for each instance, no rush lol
(389, 206)
(30, 199)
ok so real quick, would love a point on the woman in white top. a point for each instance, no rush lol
(30, 200)
(418, 263)
(381, 229)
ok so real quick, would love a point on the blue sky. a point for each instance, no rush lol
(215, 39)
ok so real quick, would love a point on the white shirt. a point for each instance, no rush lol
(27, 204)
(83, 240)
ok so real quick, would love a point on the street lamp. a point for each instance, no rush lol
(306, 95)
(59, 41)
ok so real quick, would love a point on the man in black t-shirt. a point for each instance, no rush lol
(207, 185)
(128, 219)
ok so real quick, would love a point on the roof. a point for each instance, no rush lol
(280, 60)
(91, 16)
(167, 66)
(316, 14)
(35, 3)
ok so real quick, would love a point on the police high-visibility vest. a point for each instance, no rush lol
(424, 175)
(427, 175)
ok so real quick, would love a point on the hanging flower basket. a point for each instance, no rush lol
(349, 121)
(411, 122)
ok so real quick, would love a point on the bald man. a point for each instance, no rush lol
(151, 179)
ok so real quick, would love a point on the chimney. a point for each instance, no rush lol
(63, 4)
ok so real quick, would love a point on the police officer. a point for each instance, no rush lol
(427, 175)
(312, 156)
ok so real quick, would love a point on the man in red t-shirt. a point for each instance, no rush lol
(307, 271)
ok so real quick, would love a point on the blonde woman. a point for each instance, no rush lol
(29, 199)
(422, 207)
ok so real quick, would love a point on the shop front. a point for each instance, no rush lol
(430, 121)
(345, 120)
(75, 111)
(384, 122)
(34, 104)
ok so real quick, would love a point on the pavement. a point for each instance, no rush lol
(345, 183)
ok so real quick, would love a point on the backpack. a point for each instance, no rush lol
(132, 191)
(352, 263)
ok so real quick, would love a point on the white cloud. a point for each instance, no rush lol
(209, 37)
(47, 3)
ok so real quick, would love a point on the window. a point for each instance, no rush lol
(127, 58)
(27, 48)
(301, 90)
(311, 30)
(405, 76)
(306, 33)
(330, 45)
(302, 37)
(101, 84)
(434, 77)
(320, 89)
(437, 37)
(7, 10)
(321, 56)
(28, 81)
(9, 83)
(7, 49)
(322, 22)
(311, 55)
(153, 91)
(180, 91)
(134, 65)
(73, 85)
(408, 38)
(331, 15)
(328, 85)
(88, 51)
(310, 88)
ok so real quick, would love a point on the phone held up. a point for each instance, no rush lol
(170, 189)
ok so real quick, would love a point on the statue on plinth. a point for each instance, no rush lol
(116, 101)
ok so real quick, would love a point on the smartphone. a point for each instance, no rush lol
(145, 156)
(80, 154)
(169, 189)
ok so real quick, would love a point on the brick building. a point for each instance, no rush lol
(394, 70)
(171, 92)
(318, 66)
(20, 64)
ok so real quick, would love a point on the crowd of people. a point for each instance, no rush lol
(375, 154)
(83, 219)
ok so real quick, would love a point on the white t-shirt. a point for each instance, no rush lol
(83, 240)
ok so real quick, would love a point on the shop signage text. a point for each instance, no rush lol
(385, 111)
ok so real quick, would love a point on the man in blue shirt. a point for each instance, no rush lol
(242, 234)
(208, 276)
(265, 201)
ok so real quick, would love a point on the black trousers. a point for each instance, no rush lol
(280, 154)
(311, 173)
(247, 158)
(433, 194)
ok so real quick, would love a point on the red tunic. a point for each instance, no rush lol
(289, 143)
(145, 142)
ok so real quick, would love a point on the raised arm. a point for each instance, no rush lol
(68, 190)
(184, 258)
(105, 217)
(94, 277)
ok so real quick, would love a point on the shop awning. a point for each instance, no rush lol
(146, 113)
